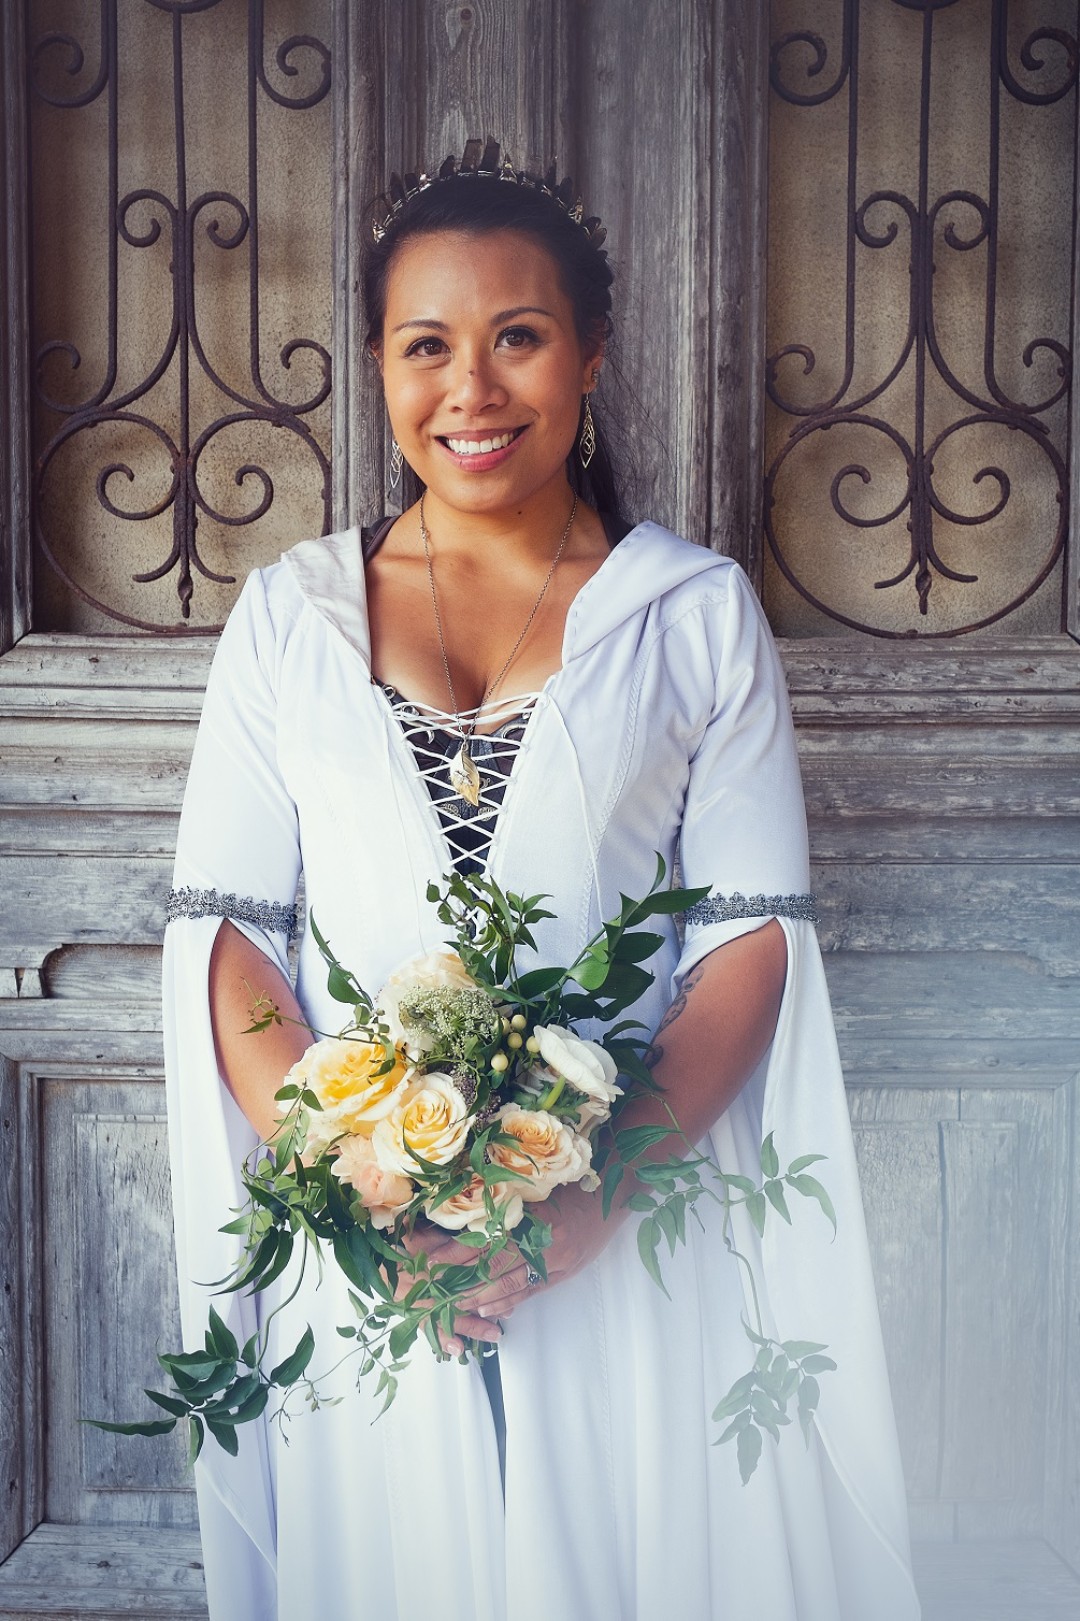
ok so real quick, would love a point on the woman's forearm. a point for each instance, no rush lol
(254, 1066)
(714, 1035)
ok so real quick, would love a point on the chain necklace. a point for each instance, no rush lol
(463, 774)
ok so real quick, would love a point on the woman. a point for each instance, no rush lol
(367, 702)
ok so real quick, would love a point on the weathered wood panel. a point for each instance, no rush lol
(15, 554)
(113, 1573)
(644, 122)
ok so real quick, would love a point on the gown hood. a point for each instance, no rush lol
(646, 564)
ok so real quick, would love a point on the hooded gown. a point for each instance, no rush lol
(667, 730)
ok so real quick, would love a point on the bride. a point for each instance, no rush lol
(512, 677)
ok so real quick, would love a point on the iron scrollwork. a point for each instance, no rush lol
(929, 222)
(138, 219)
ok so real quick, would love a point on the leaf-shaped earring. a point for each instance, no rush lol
(587, 438)
(396, 460)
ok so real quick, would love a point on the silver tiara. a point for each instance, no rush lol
(482, 161)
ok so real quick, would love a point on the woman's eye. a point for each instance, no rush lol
(518, 337)
(425, 347)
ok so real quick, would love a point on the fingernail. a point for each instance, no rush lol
(486, 1311)
(455, 1347)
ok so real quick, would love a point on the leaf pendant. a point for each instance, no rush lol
(464, 777)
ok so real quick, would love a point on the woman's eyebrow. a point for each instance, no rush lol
(503, 315)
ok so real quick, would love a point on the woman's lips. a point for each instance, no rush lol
(481, 461)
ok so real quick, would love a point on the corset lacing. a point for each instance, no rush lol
(435, 739)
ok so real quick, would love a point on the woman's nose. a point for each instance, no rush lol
(473, 385)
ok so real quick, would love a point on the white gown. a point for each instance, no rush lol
(666, 729)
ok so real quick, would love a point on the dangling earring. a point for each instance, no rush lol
(396, 459)
(587, 438)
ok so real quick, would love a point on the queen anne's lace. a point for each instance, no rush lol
(274, 916)
(722, 908)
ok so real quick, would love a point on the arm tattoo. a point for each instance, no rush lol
(656, 1051)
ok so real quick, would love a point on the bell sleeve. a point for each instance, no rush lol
(744, 834)
(237, 857)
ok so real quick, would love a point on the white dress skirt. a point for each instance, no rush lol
(666, 730)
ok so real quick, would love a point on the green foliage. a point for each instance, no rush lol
(295, 1211)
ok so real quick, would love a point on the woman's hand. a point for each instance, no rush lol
(440, 1246)
(579, 1231)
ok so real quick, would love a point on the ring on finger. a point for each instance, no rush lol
(532, 1277)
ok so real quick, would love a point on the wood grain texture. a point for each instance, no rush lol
(644, 121)
(109, 1572)
(15, 554)
(739, 62)
(13, 1305)
(106, 1236)
(991, 1581)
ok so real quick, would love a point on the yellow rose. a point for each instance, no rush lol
(343, 1074)
(547, 1151)
(430, 1118)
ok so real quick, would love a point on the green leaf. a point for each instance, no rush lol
(287, 1372)
(755, 1207)
(159, 1426)
(811, 1188)
(749, 1446)
(171, 1404)
(736, 1426)
(774, 1192)
(224, 1435)
(818, 1364)
(742, 1184)
(195, 1438)
(613, 1176)
(800, 1348)
(223, 1339)
(800, 1164)
(735, 1398)
(770, 1160)
(647, 1240)
(635, 1140)
(665, 1218)
(403, 1337)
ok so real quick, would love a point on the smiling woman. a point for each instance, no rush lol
(632, 703)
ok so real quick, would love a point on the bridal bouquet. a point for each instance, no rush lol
(462, 1095)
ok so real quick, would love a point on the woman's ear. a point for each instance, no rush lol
(376, 352)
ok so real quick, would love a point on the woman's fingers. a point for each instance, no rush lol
(503, 1293)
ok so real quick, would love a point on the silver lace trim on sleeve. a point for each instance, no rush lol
(723, 908)
(274, 916)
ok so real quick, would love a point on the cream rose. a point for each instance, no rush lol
(435, 971)
(585, 1065)
(343, 1074)
(467, 1208)
(430, 1119)
(384, 1193)
(546, 1150)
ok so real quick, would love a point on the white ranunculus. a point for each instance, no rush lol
(432, 1118)
(434, 971)
(467, 1208)
(585, 1065)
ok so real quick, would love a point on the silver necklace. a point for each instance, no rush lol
(463, 774)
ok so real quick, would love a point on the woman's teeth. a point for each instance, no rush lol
(480, 447)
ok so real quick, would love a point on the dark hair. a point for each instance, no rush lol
(483, 204)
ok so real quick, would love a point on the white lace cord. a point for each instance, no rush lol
(585, 818)
(405, 840)
(417, 722)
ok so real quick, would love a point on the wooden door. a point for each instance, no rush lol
(941, 775)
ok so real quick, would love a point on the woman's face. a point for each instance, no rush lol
(479, 347)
